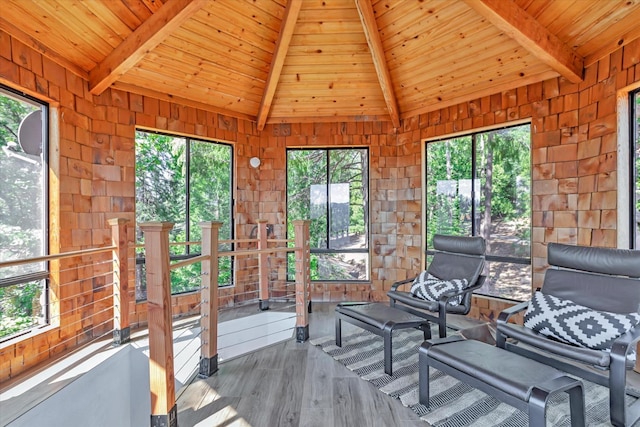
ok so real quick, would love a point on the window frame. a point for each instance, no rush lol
(634, 144)
(44, 273)
(141, 260)
(475, 193)
(322, 251)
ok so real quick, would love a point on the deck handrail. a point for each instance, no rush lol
(54, 257)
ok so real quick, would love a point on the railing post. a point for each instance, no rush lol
(263, 273)
(121, 297)
(209, 299)
(164, 411)
(303, 278)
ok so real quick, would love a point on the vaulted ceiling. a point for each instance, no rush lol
(273, 61)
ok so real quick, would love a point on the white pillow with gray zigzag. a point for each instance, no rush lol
(571, 323)
(430, 288)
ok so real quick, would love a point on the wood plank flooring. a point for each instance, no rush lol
(290, 384)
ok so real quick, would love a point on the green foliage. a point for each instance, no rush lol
(502, 156)
(317, 184)
(22, 223)
(162, 173)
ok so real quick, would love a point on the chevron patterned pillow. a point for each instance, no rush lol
(571, 323)
(430, 288)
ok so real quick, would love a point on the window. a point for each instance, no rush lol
(330, 187)
(23, 212)
(634, 130)
(184, 181)
(479, 185)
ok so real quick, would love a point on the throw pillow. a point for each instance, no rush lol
(430, 288)
(572, 323)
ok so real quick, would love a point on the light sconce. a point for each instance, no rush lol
(254, 162)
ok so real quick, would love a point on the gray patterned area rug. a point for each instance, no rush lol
(453, 403)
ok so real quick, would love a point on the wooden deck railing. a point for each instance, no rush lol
(162, 386)
(117, 297)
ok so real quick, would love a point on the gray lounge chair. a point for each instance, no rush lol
(455, 257)
(601, 279)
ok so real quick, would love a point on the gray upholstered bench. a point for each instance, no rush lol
(381, 320)
(516, 380)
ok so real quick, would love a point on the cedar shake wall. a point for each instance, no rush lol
(574, 182)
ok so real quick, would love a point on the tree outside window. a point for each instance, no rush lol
(184, 181)
(23, 212)
(479, 185)
(330, 187)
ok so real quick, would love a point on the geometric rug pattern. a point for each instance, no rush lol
(453, 403)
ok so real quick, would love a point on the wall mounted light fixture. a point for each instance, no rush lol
(254, 162)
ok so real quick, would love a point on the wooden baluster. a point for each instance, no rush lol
(303, 278)
(209, 299)
(263, 273)
(164, 411)
(121, 297)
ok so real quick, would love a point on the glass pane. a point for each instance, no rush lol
(348, 199)
(307, 193)
(503, 165)
(449, 188)
(161, 183)
(22, 307)
(210, 187)
(340, 266)
(22, 183)
(507, 280)
(330, 187)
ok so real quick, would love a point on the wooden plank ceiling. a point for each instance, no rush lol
(273, 61)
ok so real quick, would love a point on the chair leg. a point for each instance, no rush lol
(537, 406)
(423, 379)
(576, 405)
(338, 332)
(442, 323)
(617, 387)
(426, 330)
(388, 350)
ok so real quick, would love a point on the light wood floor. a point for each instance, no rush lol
(291, 384)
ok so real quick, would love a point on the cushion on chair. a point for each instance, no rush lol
(572, 323)
(430, 288)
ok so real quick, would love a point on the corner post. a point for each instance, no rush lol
(263, 274)
(209, 299)
(303, 277)
(164, 411)
(121, 297)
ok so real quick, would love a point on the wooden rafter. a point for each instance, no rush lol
(531, 35)
(146, 37)
(282, 46)
(365, 10)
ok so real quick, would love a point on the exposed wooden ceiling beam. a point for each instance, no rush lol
(30, 41)
(533, 36)
(328, 119)
(365, 10)
(282, 46)
(146, 37)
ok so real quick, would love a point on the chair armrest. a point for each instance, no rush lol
(625, 343)
(396, 285)
(445, 297)
(506, 314)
